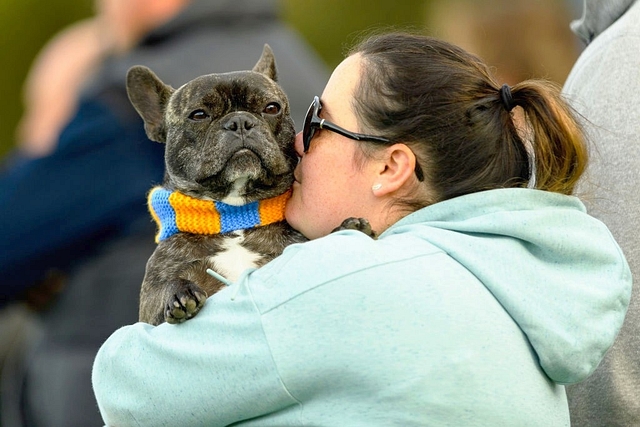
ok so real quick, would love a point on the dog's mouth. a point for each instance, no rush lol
(243, 173)
(242, 164)
(244, 161)
(242, 152)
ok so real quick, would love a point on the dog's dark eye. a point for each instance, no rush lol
(272, 108)
(198, 115)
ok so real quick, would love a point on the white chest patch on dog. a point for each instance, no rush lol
(234, 258)
(234, 198)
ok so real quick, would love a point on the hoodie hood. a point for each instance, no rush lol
(556, 270)
(597, 16)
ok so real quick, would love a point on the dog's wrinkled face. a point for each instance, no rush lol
(229, 137)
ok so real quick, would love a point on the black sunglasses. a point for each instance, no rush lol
(313, 122)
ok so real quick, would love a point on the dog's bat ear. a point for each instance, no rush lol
(267, 64)
(149, 96)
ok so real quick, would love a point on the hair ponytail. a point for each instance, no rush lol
(556, 139)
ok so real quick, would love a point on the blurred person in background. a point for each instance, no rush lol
(54, 82)
(50, 95)
(79, 233)
(604, 87)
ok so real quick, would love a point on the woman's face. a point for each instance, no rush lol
(330, 186)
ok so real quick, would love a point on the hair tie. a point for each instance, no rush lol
(507, 99)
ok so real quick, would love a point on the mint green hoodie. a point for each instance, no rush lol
(470, 312)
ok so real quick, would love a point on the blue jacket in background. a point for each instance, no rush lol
(58, 209)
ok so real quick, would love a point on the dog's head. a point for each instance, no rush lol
(229, 137)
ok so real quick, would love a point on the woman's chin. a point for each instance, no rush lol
(290, 213)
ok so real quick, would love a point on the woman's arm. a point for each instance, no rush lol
(214, 370)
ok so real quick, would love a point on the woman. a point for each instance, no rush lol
(477, 301)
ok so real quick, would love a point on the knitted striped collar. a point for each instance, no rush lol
(175, 212)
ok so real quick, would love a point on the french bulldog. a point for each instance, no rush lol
(229, 160)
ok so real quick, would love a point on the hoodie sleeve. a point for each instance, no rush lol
(225, 371)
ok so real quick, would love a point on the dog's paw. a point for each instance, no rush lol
(358, 224)
(185, 303)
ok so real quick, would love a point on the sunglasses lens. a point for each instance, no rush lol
(308, 130)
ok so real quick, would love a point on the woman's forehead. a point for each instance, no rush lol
(339, 91)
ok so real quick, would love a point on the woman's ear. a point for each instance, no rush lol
(396, 168)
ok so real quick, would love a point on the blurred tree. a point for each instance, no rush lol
(332, 26)
(25, 26)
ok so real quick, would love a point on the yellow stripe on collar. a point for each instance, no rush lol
(175, 212)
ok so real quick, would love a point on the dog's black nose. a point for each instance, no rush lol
(240, 122)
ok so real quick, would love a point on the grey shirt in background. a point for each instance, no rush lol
(604, 87)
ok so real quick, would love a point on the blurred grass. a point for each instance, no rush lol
(25, 25)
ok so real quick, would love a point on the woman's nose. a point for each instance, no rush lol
(298, 144)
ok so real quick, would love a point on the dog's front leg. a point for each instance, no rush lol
(171, 292)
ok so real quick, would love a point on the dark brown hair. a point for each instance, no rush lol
(445, 105)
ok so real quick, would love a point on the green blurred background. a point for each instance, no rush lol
(543, 46)
(25, 26)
